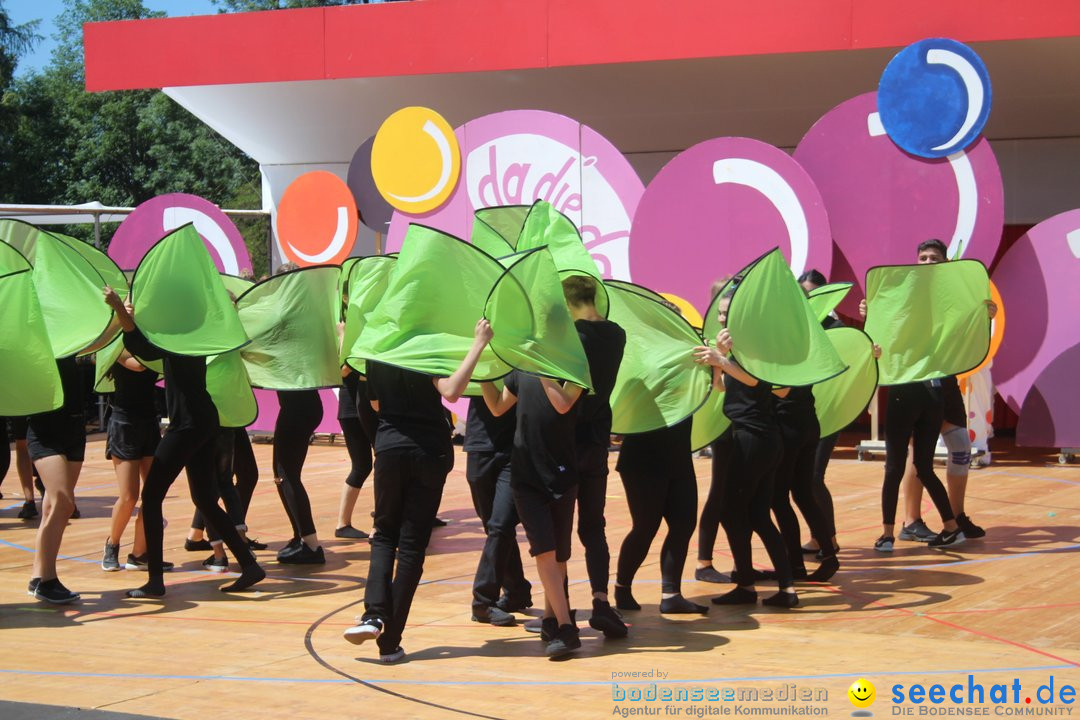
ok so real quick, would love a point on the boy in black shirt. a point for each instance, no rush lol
(413, 455)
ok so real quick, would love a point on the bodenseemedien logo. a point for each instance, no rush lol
(862, 695)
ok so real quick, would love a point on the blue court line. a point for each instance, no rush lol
(531, 683)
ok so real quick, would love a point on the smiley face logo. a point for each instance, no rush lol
(862, 693)
(415, 160)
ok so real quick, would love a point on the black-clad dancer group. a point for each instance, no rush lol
(536, 450)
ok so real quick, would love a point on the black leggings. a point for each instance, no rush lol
(358, 443)
(245, 468)
(747, 500)
(710, 513)
(794, 478)
(669, 496)
(821, 491)
(592, 464)
(224, 446)
(301, 412)
(5, 450)
(192, 449)
(915, 412)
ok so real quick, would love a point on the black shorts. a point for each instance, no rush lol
(132, 440)
(953, 402)
(57, 433)
(18, 427)
(548, 523)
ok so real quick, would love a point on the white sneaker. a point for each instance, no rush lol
(366, 630)
(393, 657)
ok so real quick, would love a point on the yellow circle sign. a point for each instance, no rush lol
(415, 160)
(862, 693)
(686, 308)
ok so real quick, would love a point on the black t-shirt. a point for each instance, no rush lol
(604, 342)
(749, 408)
(410, 410)
(831, 322)
(486, 433)
(797, 409)
(665, 451)
(133, 399)
(189, 404)
(544, 453)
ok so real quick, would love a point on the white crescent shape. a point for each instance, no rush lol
(447, 163)
(874, 125)
(336, 243)
(967, 204)
(175, 217)
(1073, 238)
(972, 84)
(769, 183)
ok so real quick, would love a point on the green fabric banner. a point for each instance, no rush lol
(292, 322)
(107, 356)
(424, 323)
(776, 337)
(31, 380)
(823, 300)
(658, 384)
(931, 321)
(180, 302)
(531, 325)
(366, 285)
(496, 229)
(709, 422)
(841, 399)
(236, 285)
(109, 271)
(229, 388)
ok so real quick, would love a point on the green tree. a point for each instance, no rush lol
(227, 6)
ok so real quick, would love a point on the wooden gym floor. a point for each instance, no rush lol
(1000, 608)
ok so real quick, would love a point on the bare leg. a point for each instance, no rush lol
(127, 477)
(912, 490)
(139, 546)
(59, 477)
(349, 494)
(553, 577)
(24, 467)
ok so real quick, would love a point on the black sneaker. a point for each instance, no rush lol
(917, 532)
(29, 511)
(543, 625)
(75, 514)
(884, 543)
(215, 564)
(947, 539)
(110, 559)
(439, 522)
(256, 545)
(140, 563)
(492, 616)
(510, 605)
(304, 556)
(365, 630)
(31, 587)
(53, 591)
(350, 533)
(392, 657)
(292, 547)
(565, 641)
(970, 529)
(607, 620)
(711, 575)
(197, 545)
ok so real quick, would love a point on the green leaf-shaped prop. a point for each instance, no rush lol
(292, 322)
(531, 325)
(367, 281)
(236, 285)
(776, 337)
(31, 380)
(659, 384)
(180, 302)
(823, 300)
(496, 229)
(107, 357)
(931, 321)
(710, 422)
(425, 319)
(106, 267)
(841, 399)
(229, 388)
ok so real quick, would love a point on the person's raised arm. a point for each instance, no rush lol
(781, 392)
(452, 387)
(718, 358)
(128, 360)
(499, 403)
(562, 396)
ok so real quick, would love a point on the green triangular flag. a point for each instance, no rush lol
(292, 322)
(236, 285)
(931, 321)
(658, 384)
(710, 422)
(823, 300)
(423, 322)
(31, 380)
(776, 337)
(496, 229)
(841, 399)
(106, 267)
(229, 388)
(531, 325)
(366, 285)
(180, 302)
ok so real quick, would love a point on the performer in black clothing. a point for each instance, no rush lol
(300, 412)
(658, 474)
(358, 423)
(413, 455)
(711, 510)
(489, 442)
(134, 434)
(23, 466)
(755, 452)
(604, 342)
(188, 444)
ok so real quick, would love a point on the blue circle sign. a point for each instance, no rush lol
(934, 97)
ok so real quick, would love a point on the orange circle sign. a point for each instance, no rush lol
(317, 220)
(415, 160)
(997, 332)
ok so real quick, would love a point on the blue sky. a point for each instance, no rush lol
(21, 11)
